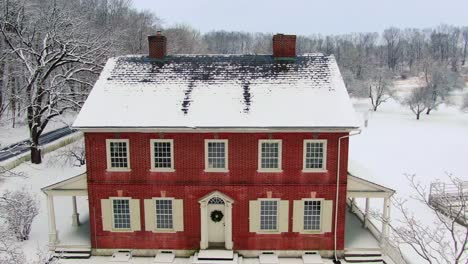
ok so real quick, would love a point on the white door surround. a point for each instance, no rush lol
(219, 232)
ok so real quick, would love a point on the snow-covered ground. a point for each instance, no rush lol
(10, 135)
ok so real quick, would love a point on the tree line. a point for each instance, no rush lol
(51, 52)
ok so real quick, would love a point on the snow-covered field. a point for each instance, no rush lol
(394, 143)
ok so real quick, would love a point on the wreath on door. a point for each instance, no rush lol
(216, 216)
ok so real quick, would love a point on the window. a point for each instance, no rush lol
(162, 152)
(269, 152)
(118, 154)
(216, 155)
(315, 153)
(312, 212)
(121, 213)
(268, 215)
(164, 214)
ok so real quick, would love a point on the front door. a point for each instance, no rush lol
(216, 219)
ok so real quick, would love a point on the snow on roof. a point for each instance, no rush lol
(219, 91)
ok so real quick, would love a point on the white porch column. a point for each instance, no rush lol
(228, 226)
(386, 218)
(75, 215)
(353, 201)
(204, 225)
(366, 212)
(53, 236)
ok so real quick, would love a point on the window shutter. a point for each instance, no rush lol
(150, 215)
(327, 212)
(254, 216)
(298, 216)
(135, 221)
(283, 215)
(106, 215)
(178, 214)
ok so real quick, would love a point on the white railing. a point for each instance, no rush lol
(451, 200)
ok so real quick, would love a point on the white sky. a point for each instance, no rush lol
(308, 16)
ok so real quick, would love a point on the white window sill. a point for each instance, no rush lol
(122, 230)
(118, 170)
(314, 170)
(164, 231)
(162, 170)
(269, 171)
(311, 232)
(267, 232)
(216, 170)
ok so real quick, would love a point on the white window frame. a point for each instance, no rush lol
(324, 159)
(268, 231)
(162, 230)
(113, 215)
(316, 231)
(226, 155)
(108, 154)
(280, 154)
(153, 168)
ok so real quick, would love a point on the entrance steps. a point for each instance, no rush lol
(216, 256)
(72, 253)
(363, 256)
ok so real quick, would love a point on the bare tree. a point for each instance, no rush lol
(444, 241)
(60, 55)
(10, 249)
(379, 83)
(18, 209)
(417, 101)
(465, 102)
(71, 155)
(465, 44)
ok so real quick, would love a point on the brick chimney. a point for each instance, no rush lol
(157, 46)
(284, 46)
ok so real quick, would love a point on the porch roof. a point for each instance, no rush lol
(74, 186)
(359, 187)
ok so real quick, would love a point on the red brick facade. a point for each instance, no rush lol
(189, 182)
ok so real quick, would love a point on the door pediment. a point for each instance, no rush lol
(213, 194)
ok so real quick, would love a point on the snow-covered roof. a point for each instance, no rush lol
(219, 91)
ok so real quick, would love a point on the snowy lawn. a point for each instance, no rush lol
(395, 144)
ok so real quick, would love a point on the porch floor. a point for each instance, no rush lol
(74, 236)
(356, 236)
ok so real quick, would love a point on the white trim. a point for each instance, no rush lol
(226, 155)
(163, 230)
(280, 154)
(218, 130)
(268, 231)
(153, 168)
(108, 157)
(113, 216)
(324, 162)
(317, 231)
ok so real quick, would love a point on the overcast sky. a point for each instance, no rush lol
(308, 16)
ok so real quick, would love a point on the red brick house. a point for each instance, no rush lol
(240, 152)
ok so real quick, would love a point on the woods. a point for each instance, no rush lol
(52, 50)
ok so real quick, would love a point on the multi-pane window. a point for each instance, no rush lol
(268, 215)
(216, 154)
(312, 211)
(162, 154)
(164, 214)
(315, 154)
(117, 151)
(270, 155)
(121, 213)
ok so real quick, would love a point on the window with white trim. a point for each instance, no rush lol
(312, 213)
(162, 152)
(164, 214)
(269, 155)
(216, 157)
(268, 215)
(315, 155)
(121, 213)
(118, 154)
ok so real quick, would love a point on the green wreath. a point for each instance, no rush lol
(216, 216)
